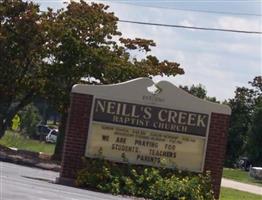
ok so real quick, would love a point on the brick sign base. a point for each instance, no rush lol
(77, 131)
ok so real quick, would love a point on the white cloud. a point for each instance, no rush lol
(186, 23)
(220, 61)
(241, 48)
(239, 23)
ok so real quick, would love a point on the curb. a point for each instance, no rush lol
(28, 158)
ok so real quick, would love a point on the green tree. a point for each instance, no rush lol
(21, 57)
(243, 106)
(257, 90)
(83, 41)
(254, 141)
(239, 123)
(199, 91)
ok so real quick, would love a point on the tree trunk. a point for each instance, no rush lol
(2, 127)
(60, 139)
(55, 119)
(4, 124)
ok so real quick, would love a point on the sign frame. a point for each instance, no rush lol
(164, 85)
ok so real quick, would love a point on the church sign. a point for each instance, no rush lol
(149, 135)
(145, 123)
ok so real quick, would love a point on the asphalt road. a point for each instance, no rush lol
(25, 183)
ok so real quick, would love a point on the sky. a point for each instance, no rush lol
(221, 61)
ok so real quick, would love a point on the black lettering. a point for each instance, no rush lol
(105, 138)
(121, 140)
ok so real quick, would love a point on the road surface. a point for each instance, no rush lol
(25, 183)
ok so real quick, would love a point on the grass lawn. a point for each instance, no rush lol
(231, 194)
(13, 139)
(241, 176)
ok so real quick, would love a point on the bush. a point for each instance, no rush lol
(143, 181)
(30, 117)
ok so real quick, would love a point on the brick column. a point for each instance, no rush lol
(216, 148)
(76, 136)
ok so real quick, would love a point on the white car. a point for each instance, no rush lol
(52, 136)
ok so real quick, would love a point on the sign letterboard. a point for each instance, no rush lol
(148, 135)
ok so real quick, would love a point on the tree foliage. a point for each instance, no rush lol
(239, 123)
(254, 140)
(243, 105)
(199, 91)
(46, 53)
(83, 41)
(254, 150)
(21, 52)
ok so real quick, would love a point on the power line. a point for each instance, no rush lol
(189, 10)
(190, 27)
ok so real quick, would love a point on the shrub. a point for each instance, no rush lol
(143, 181)
(30, 117)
